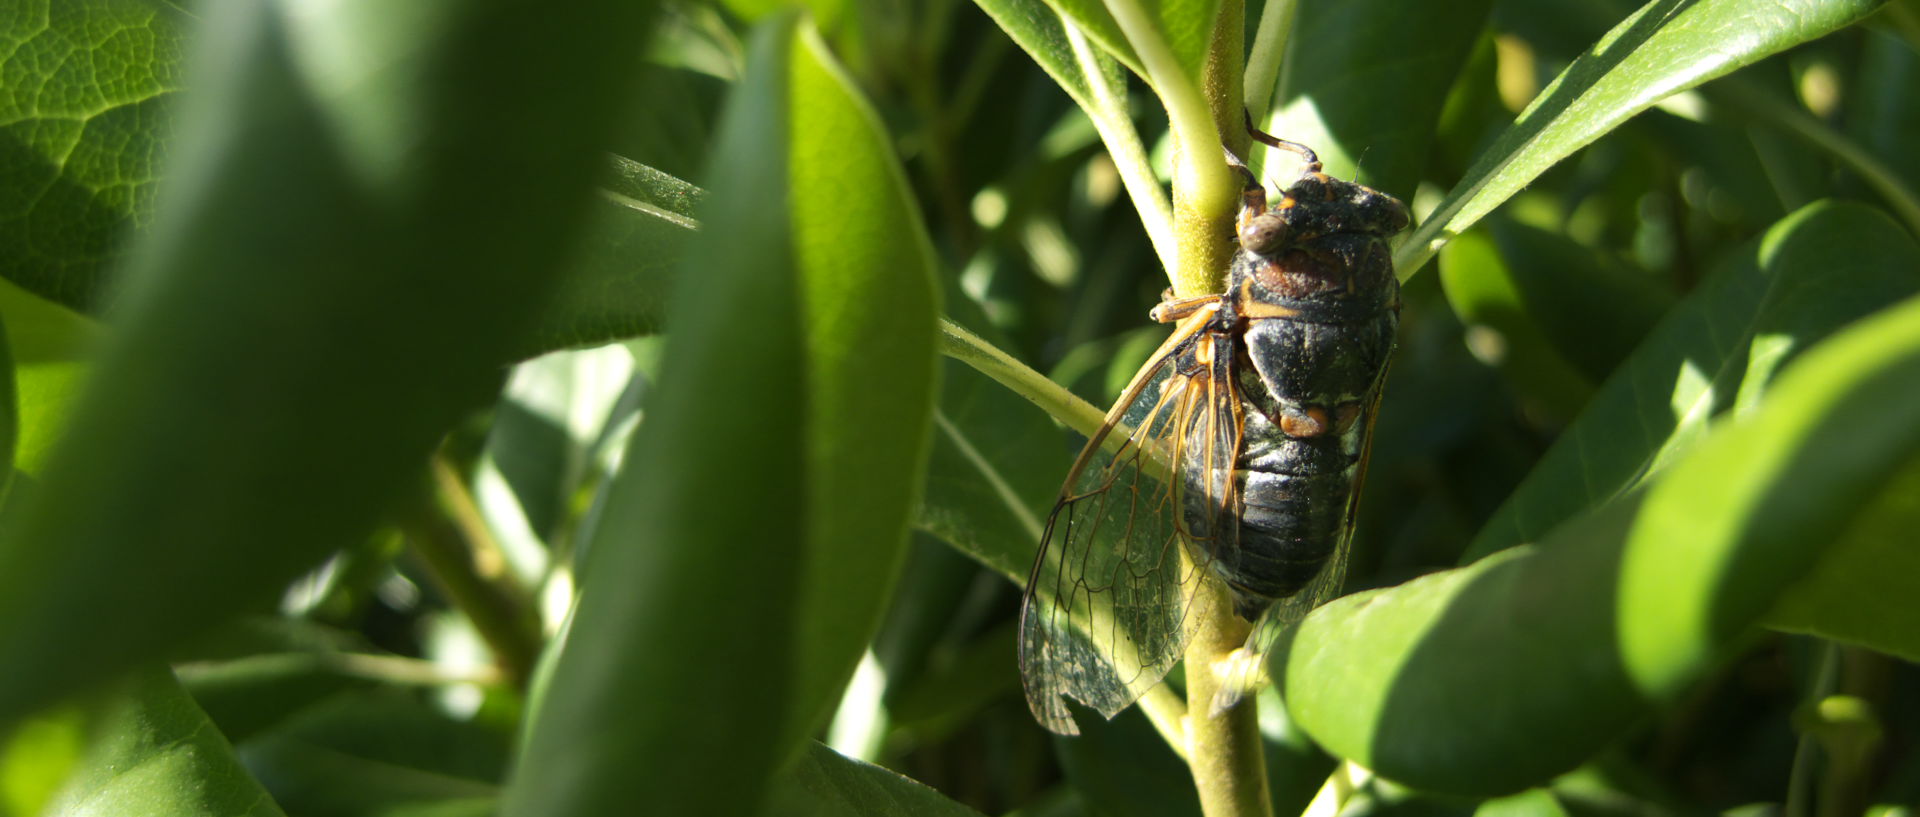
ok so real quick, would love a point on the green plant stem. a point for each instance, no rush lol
(1800, 780)
(1204, 190)
(958, 343)
(1129, 155)
(446, 531)
(1263, 65)
(1226, 756)
(1225, 752)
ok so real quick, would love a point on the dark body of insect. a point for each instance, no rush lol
(1240, 446)
(1308, 320)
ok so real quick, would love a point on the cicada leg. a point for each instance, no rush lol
(1172, 309)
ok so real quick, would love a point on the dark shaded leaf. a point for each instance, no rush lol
(1368, 80)
(825, 783)
(234, 404)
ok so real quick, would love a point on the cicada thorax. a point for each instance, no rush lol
(1309, 318)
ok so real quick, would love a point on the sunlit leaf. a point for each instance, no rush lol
(827, 392)
(86, 108)
(1496, 676)
(147, 749)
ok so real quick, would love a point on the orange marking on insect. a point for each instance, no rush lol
(1310, 423)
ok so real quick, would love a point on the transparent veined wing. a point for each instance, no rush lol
(1106, 608)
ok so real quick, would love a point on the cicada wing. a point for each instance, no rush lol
(1105, 614)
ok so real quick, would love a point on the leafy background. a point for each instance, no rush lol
(338, 385)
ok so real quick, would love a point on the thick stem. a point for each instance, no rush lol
(1204, 190)
(1225, 752)
(447, 533)
(1226, 755)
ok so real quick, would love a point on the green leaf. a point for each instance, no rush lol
(1091, 17)
(378, 752)
(1666, 47)
(825, 783)
(50, 347)
(777, 466)
(1812, 273)
(1490, 678)
(141, 746)
(282, 364)
(622, 273)
(870, 307)
(86, 120)
(1487, 292)
(1864, 590)
(1368, 80)
(995, 468)
(649, 668)
(1124, 768)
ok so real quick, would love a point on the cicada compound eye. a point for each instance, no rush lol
(1263, 233)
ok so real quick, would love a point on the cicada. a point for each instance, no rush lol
(1241, 444)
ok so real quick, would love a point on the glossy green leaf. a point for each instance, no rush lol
(282, 364)
(1368, 80)
(141, 746)
(995, 469)
(86, 119)
(1665, 47)
(1884, 122)
(778, 465)
(1815, 271)
(1493, 677)
(825, 783)
(1037, 28)
(1124, 768)
(870, 307)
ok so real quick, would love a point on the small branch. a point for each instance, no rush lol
(1115, 126)
(1263, 65)
(452, 540)
(966, 347)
